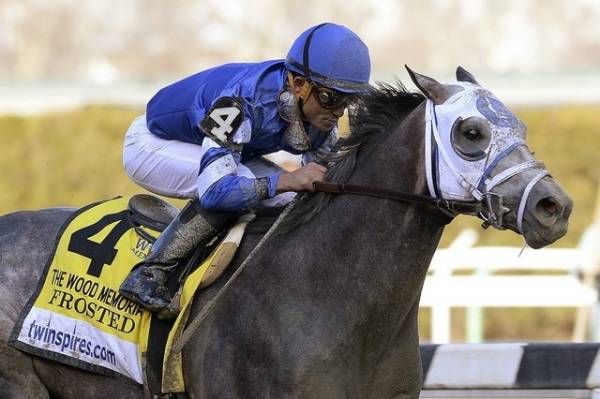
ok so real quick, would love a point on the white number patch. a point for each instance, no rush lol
(223, 117)
(222, 121)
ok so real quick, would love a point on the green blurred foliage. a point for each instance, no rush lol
(63, 159)
(74, 158)
(509, 324)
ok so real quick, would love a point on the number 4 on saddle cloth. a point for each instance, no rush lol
(77, 316)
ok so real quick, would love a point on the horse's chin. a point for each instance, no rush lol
(537, 237)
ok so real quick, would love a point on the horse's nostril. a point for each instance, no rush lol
(547, 211)
(549, 205)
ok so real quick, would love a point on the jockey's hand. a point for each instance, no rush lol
(301, 179)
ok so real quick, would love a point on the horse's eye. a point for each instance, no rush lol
(471, 137)
(472, 134)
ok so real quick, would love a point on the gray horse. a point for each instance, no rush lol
(328, 307)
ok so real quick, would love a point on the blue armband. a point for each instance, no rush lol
(232, 193)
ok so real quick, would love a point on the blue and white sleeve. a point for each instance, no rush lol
(221, 188)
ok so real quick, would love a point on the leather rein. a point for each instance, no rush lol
(452, 206)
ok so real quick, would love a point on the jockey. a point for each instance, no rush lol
(202, 138)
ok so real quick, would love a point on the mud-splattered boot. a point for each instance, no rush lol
(192, 226)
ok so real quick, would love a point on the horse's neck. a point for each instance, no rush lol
(397, 163)
(377, 240)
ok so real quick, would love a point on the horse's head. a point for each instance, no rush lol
(476, 150)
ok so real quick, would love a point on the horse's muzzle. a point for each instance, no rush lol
(547, 214)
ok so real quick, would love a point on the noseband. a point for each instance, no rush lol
(487, 204)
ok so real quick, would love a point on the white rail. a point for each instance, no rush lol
(549, 277)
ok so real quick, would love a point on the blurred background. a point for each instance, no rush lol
(74, 74)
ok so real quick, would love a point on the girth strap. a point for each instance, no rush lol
(466, 207)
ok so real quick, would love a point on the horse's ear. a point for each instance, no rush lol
(431, 88)
(462, 75)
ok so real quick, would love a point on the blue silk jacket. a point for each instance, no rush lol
(176, 111)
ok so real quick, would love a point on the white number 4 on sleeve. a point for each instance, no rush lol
(224, 117)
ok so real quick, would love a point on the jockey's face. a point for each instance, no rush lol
(321, 118)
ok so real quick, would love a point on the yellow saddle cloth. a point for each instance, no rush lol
(77, 316)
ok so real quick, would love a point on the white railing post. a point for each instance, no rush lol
(441, 320)
(589, 245)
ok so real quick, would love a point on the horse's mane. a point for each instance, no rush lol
(378, 112)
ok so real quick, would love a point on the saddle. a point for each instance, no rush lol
(150, 211)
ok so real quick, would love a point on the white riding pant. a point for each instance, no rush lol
(171, 168)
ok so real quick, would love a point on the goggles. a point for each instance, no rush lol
(331, 99)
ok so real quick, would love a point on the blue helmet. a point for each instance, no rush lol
(333, 56)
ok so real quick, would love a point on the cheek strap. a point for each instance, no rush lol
(305, 91)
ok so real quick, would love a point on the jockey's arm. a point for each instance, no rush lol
(222, 188)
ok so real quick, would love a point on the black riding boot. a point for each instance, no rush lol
(192, 226)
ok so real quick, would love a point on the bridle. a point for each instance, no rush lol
(452, 206)
(486, 203)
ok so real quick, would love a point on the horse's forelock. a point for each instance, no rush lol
(380, 111)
